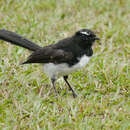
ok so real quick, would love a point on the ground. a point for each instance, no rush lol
(102, 86)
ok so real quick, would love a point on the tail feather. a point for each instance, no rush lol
(18, 40)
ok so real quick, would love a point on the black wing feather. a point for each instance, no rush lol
(49, 55)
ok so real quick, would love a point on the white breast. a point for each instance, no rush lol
(62, 69)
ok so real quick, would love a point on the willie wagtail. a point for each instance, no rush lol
(58, 59)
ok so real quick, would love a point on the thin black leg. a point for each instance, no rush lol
(65, 78)
(53, 84)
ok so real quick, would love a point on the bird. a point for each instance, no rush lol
(60, 59)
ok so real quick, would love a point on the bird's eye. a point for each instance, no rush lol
(85, 33)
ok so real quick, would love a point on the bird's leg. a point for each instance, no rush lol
(65, 79)
(53, 83)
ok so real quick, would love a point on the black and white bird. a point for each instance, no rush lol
(60, 59)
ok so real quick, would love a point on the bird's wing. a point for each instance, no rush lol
(49, 55)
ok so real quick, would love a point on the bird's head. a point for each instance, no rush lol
(86, 36)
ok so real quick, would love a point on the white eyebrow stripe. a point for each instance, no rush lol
(85, 33)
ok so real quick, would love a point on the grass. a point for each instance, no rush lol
(102, 86)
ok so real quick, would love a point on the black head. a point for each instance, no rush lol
(86, 36)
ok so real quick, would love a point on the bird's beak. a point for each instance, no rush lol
(96, 38)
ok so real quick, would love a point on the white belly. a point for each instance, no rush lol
(63, 69)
